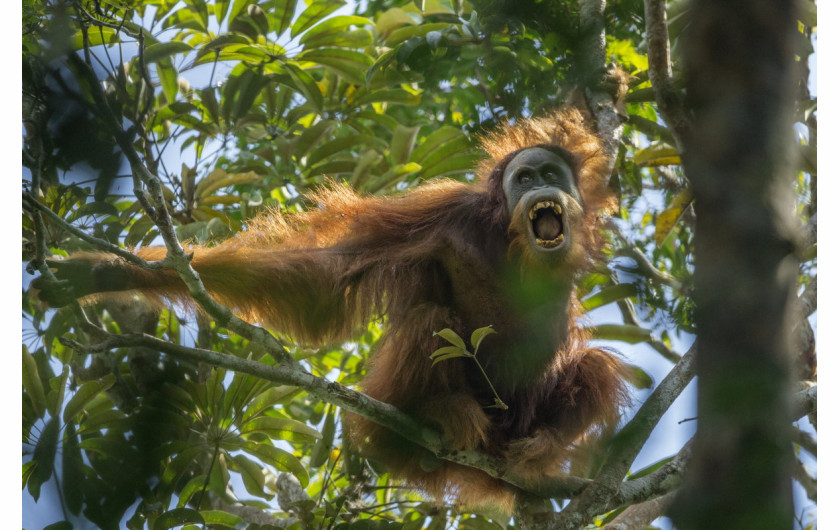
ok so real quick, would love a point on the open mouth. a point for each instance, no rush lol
(547, 224)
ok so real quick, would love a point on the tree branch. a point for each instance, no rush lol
(668, 100)
(638, 516)
(599, 495)
(341, 396)
(664, 480)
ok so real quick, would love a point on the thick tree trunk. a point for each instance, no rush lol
(739, 65)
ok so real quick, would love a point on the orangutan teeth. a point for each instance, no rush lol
(553, 243)
(543, 206)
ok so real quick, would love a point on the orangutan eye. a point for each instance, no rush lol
(525, 179)
(550, 176)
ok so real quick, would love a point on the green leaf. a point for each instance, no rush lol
(95, 38)
(55, 396)
(450, 350)
(238, 6)
(623, 332)
(358, 38)
(438, 140)
(638, 377)
(303, 83)
(450, 356)
(168, 76)
(164, 50)
(73, 471)
(396, 95)
(402, 143)
(44, 457)
(178, 465)
(479, 335)
(317, 10)
(666, 220)
(608, 295)
(84, 394)
(367, 160)
(107, 419)
(218, 44)
(281, 13)
(270, 398)
(192, 487)
(252, 475)
(395, 18)
(331, 26)
(395, 175)
(451, 337)
(281, 460)
(221, 518)
(403, 34)
(275, 427)
(321, 451)
(307, 140)
(344, 143)
(351, 65)
(138, 231)
(657, 154)
(32, 386)
(178, 517)
(27, 469)
(455, 164)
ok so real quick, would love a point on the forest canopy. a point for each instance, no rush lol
(172, 123)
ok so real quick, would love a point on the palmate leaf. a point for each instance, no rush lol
(178, 517)
(321, 451)
(330, 28)
(350, 65)
(279, 459)
(195, 485)
(32, 386)
(252, 475)
(317, 11)
(84, 394)
(280, 428)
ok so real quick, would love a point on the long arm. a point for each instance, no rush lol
(317, 276)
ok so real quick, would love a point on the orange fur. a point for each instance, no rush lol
(445, 255)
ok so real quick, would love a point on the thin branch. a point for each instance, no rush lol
(599, 495)
(638, 516)
(99, 244)
(336, 394)
(669, 101)
(629, 314)
(153, 201)
(664, 480)
(646, 268)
